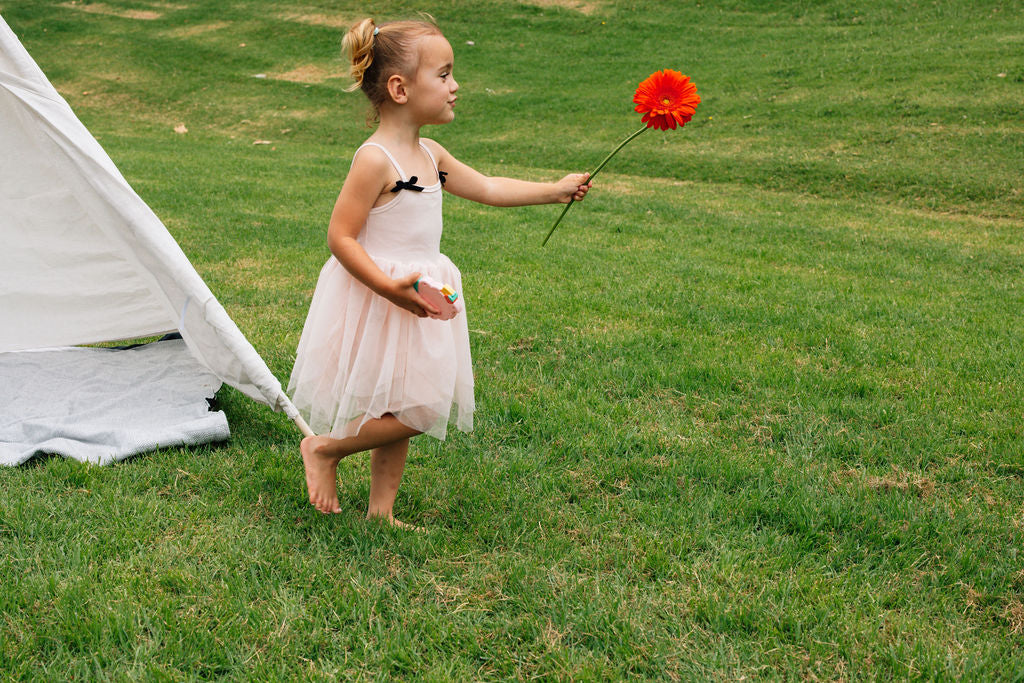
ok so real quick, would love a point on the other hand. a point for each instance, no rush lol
(402, 294)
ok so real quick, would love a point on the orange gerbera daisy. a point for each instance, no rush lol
(666, 98)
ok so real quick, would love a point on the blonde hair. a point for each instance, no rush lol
(377, 53)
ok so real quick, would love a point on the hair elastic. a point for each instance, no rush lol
(376, 30)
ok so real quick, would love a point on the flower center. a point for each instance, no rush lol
(666, 100)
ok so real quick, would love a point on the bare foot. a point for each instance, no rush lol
(398, 524)
(321, 474)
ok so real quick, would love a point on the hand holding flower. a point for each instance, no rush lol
(573, 187)
(667, 99)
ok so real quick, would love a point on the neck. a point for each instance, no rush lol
(396, 132)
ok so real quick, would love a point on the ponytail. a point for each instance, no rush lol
(358, 44)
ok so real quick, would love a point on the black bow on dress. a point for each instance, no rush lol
(407, 185)
(411, 183)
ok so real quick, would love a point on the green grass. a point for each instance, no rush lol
(754, 412)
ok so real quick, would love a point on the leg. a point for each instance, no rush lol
(321, 455)
(387, 463)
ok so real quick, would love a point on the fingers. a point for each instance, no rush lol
(425, 308)
(582, 191)
(422, 307)
(581, 180)
(408, 280)
(408, 298)
(410, 301)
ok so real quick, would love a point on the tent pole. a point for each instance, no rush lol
(303, 427)
(285, 405)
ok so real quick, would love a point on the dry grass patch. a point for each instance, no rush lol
(197, 30)
(274, 125)
(97, 83)
(337, 21)
(310, 74)
(107, 10)
(248, 274)
(168, 6)
(93, 96)
(904, 482)
(897, 480)
(587, 8)
(1014, 616)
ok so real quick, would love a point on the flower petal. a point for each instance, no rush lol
(666, 99)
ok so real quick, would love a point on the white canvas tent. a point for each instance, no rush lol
(83, 260)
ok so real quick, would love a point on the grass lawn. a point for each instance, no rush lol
(754, 412)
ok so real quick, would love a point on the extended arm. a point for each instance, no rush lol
(466, 182)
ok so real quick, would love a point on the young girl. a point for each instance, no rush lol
(372, 368)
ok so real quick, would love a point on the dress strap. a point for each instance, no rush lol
(429, 154)
(440, 174)
(394, 163)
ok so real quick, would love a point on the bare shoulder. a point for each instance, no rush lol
(371, 167)
(370, 158)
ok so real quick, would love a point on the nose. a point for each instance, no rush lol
(453, 85)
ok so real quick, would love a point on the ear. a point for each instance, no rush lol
(397, 89)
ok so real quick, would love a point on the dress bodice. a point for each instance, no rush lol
(407, 228)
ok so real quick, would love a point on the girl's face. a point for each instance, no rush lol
(432, 92)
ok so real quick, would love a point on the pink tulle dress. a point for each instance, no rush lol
(360, 356)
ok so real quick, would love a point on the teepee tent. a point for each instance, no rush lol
(84, 260)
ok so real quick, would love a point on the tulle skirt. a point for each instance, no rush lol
(361, 357)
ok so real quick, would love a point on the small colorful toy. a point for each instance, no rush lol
(441, 296)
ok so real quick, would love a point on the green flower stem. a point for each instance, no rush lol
(615, 151)
(596, 171)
